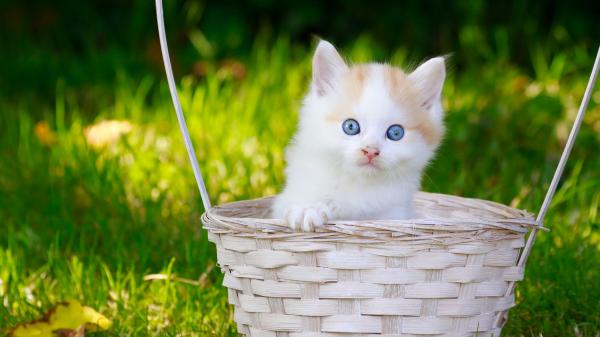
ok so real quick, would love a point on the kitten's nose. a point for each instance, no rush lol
(370, 152)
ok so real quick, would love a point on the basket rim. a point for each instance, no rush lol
(233, 218)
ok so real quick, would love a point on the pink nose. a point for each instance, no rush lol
(370, 152)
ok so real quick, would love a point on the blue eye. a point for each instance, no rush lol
(351, 127)
(395, 132)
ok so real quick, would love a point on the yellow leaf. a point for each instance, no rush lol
(36, 329)
(64, 316)
(96, 319)
(106, 132)
(44, 133)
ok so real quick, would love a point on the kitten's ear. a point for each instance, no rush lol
(328, 65)
(429, 79)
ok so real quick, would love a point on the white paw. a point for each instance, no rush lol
(307, 217)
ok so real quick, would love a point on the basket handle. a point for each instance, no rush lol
(569, 146)
(164, 48)
(563, 159)
(557, 175)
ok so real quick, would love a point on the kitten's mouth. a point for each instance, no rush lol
(368, 164)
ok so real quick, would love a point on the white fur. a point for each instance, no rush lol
(328, 65)
(324, 177)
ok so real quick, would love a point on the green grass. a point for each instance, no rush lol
(86, 223)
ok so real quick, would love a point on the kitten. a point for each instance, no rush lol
(365, 134)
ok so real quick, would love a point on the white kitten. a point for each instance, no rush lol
(365, 134)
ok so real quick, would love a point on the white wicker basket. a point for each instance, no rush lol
(451, 273)
(447, 275)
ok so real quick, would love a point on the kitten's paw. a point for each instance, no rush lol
(307, 217)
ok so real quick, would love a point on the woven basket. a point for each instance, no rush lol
(446, 274)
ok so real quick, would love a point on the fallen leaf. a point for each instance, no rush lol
(65, 319)
(44, 134)
(106, 132)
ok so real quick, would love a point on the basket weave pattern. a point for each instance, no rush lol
(446, 274)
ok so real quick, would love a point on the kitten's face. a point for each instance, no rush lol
(374, 119)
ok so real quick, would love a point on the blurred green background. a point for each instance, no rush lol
(97, 197)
